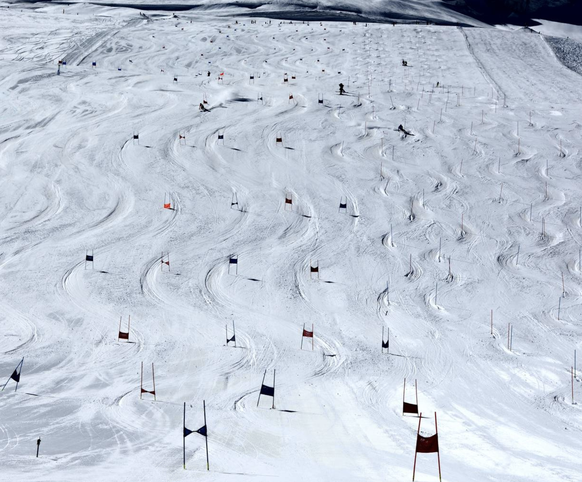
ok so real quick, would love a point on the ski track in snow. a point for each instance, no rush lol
(473, 187)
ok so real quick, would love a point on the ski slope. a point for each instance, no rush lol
(489, 185)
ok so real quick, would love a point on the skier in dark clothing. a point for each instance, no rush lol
(201, 108)
(404, 131)
(341, 88)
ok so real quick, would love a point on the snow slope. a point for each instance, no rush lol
(475, 185)
(559, 29)
(416, 11)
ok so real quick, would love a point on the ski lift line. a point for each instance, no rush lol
(481, 67)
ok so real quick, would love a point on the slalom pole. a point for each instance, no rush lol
(206, 436)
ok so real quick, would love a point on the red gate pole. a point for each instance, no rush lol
(403, 396)
(273, 405)
(415, 452)
(262, 383)
(154, 380)
(439, 450)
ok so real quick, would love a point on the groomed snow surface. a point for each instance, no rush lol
(490, 181)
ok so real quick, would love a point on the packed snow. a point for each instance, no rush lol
(474, 218)
(555, 29)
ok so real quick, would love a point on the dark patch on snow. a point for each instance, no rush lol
(568, 51)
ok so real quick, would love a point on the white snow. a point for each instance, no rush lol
(478, 178)
(556, 29)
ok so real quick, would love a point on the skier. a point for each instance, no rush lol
(404, 131)
(404, 63)
(201, 108)
(341, 88)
